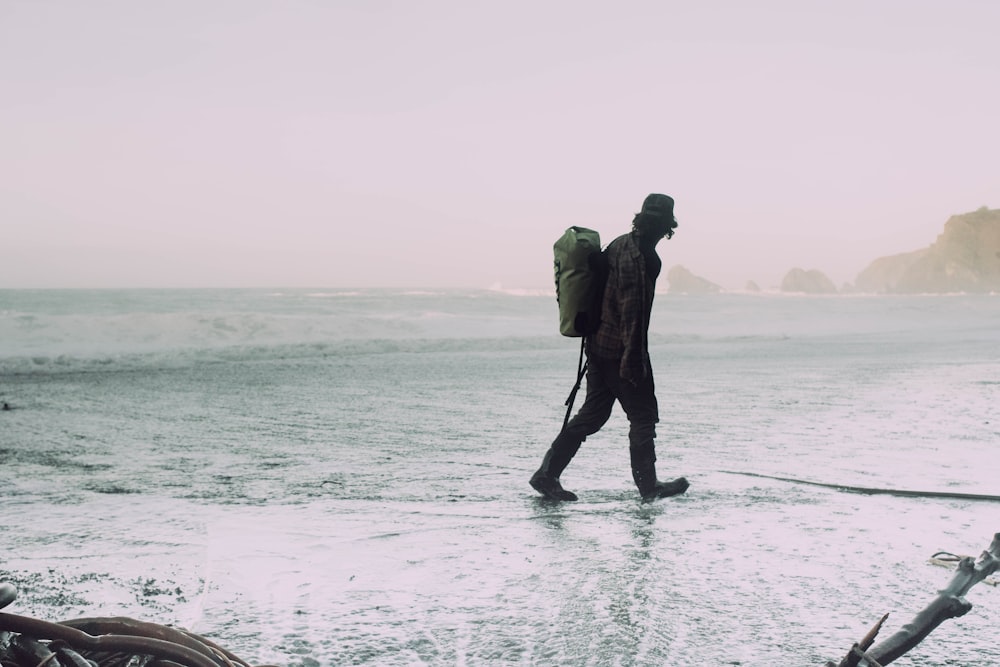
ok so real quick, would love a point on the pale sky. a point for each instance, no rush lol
(368, 143)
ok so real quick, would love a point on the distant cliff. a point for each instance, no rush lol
(683, 281)
(964, 258)
(808, 282)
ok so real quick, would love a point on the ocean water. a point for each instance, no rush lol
(339, 477)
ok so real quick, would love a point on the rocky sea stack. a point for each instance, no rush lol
(683, 281)
(964, 258)
(807, 282)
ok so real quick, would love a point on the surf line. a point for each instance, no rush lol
(871, 491)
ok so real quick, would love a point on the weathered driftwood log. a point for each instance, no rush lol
(77, 639)
(84, 642)
(129, 626)
(949, 603)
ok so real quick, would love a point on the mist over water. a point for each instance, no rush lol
(340, 477)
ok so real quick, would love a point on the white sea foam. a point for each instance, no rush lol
(72, 330)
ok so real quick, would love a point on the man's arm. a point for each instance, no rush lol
(632, 296)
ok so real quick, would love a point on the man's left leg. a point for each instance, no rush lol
(592, 416)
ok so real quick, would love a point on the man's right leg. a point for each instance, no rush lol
(593, 414)
(639, 403)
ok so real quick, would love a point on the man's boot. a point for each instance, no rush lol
(644, 474)
(546, 478)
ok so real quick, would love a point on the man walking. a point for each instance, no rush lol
(618, 359)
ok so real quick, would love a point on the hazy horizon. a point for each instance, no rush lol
(445, 144)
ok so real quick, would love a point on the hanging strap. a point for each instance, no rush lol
(581, 370)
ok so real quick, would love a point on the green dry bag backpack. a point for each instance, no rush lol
(579, 281)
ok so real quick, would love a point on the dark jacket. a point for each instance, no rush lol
(625, 310)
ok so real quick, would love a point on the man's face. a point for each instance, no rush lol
(665, 228)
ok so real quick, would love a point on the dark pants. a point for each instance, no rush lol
(604, 387)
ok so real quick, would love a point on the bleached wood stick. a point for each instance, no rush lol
(949, 603)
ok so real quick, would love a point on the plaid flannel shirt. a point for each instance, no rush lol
(625, 310)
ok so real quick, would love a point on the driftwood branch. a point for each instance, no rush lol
(949, 603)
